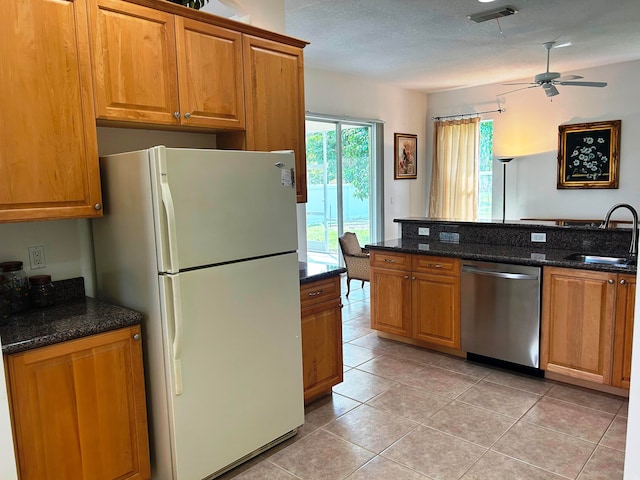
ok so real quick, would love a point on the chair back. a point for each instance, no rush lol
(349, 244)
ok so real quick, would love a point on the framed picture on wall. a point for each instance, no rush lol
(588, 155)
(406, 157)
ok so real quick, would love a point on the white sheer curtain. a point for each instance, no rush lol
(454, 175)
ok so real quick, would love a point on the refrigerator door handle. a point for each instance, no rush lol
(177, 333)
(170, 215)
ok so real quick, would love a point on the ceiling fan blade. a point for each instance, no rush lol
(583, 84)
(564, 78)
(521, 83)
(518, 89)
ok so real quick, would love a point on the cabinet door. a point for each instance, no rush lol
(623, 337)
(435, 309)
(79, 410)
(274, 98)
(48, 152)
(391, 301)
(209, 75)
(134, 62)
(321, 348)
(578, 308)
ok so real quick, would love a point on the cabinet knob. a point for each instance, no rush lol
(389, 260)
(413, 278)
(187, 115)
(136, 337)
(406, 276)
(313, 294)
(176, 114)
(97, 207)
(610, 281)
(623, 282)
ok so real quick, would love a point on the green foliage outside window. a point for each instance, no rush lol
(356, 154)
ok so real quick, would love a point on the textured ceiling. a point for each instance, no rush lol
(431, 45)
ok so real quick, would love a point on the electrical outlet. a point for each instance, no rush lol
(423, 231)
(538, 237)
(36, 257)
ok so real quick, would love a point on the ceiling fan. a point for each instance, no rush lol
(548, 80)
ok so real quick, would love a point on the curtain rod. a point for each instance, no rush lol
(499, 110)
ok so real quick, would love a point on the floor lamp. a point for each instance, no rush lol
(504, 162)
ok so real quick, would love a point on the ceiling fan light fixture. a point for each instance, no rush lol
(492, 14)
(550, 90)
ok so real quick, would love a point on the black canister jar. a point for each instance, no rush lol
(18, 283)
(5, 298)
(41, 291)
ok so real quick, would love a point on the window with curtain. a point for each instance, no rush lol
(454, 175)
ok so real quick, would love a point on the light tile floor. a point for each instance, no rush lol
(406, 413)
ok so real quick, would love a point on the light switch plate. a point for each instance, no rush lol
(538, 237)
(423, 230)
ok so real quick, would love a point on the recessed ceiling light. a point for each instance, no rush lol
(486, 1)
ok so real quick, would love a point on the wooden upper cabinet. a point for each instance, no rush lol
(209, 75)
(134, 62)
(78, 409)
(578, 308)
(623, 336)
(48, 152)
(274, 99)
(154, 67)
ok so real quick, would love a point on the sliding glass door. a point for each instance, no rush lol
(340, 186)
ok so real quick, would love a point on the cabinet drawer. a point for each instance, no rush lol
(396, 261)
(320, 291)
(437, 265)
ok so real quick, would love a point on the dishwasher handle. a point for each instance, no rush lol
(491, 273)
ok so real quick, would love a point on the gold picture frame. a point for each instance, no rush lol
(405, 156)
(588, 155)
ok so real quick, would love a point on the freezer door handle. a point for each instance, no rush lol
(170, 215)
(177, 333)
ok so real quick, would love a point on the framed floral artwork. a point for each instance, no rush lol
(589, 155)
(405, 164)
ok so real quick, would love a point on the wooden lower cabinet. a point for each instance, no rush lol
(435, 309)
(78, 409)
(587, 323)
(321, 337)
(623, 333)
(391, 301)
(416, 296)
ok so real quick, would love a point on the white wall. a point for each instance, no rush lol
(8, 469)
(267, 14)
(402, 111)
(528, 130)
(632, 459)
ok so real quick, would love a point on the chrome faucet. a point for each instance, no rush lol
(633, 248)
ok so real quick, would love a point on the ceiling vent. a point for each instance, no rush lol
(492, 14)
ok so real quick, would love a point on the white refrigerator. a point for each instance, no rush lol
(203, 243)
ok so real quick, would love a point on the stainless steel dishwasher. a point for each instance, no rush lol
(501, 312)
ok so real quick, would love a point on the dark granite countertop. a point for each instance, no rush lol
(523, 255)
(310, 272)
(73, 316)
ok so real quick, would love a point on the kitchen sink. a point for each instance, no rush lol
(602, 259)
